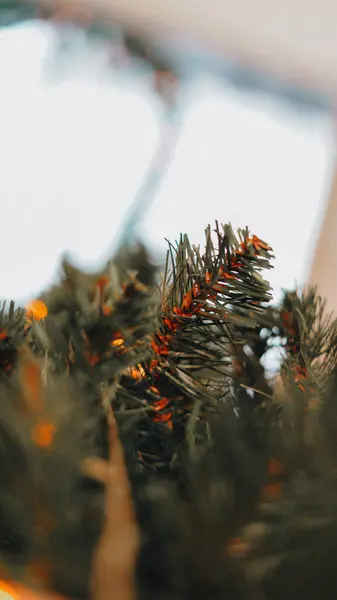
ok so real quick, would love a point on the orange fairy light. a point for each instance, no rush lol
(189, 305)
(208, 277)
(43, 435)
(160, 343)
(256, 243)
(275, 467)
(170, 324)
(259, 244)
(160, 404)
(3, 334)
(103, 282)
(14, 591)
(106, 310)
(141, 371)
(163, 417)
(196, 290)
(32, 385)
(300, 373)
(36, 310)
(228, 275)
(117, 343)
(237, 547)
(272, 491)
(91, 357)
(7, 592)
(300, 376)
(117, 339)
(187, 300)
(134, 372)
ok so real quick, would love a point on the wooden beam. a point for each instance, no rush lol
(324, 266)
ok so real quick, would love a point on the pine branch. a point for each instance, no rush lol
(221, 478)
(208, 301)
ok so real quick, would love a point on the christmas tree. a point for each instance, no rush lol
(145, 450)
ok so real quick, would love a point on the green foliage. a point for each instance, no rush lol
(233, 479)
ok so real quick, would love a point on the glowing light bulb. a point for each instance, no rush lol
(6, 592)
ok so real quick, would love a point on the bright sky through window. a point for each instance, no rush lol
(73, 154)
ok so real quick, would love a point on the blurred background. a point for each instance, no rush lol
(107, 137)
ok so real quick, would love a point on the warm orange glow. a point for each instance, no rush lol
(117, 343)
(160, 404)
(106, 310)
(94, 359)
(259, 244)
(237, 547)
(163, 418)
(3, 334)
(187, 300)
(32, 385)
(196, 290)
(43, 434)
(14, 591)
(7, 592)
(141, 370)
(300, 375)
(136, 372)
(36, 310)
(256, 243)
(170, 324)
(189, 305)
(275, 467)
(103, 282)
(208, 277)
(272, 491)
(161, 347)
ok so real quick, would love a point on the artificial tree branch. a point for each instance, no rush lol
(13, 591)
